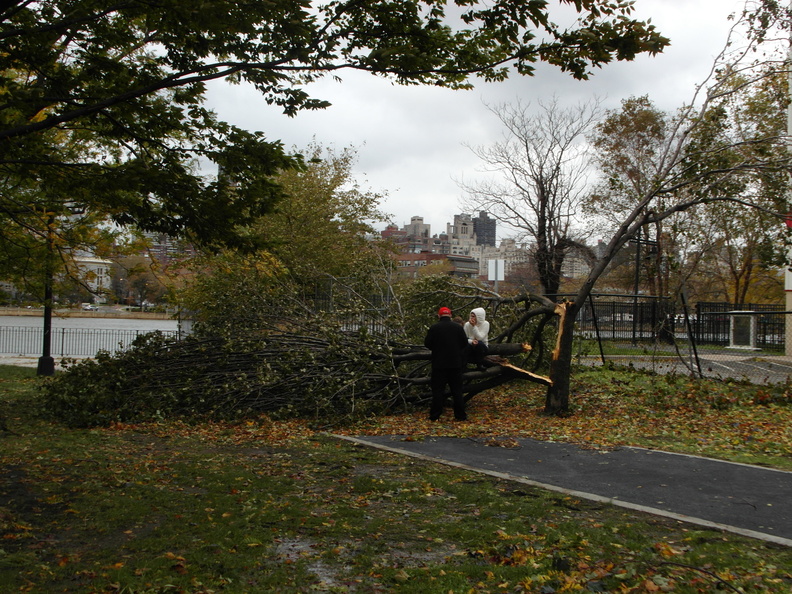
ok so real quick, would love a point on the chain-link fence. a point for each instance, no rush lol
(718, 340)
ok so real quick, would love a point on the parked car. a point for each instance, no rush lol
(89, 307)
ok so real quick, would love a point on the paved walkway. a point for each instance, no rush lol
(20, 360)
(739, 498)
(29, 361)
(759, 369)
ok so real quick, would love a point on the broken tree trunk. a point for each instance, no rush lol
(557, 397)
(498, 369)
(423, 354)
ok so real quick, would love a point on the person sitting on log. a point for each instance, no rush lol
(477, 331)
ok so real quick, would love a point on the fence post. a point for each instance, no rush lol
(691, 337)
(596, 328)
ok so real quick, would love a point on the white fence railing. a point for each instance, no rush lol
(68, 342)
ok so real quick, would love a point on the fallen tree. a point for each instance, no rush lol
(326, 376)
(498, 369)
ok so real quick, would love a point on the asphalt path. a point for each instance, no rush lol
(765, 369)
(760, 370)
(739, 498)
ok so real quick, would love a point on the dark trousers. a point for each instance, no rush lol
(453, 379)
(475, 353)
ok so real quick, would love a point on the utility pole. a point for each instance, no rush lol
(788, 271)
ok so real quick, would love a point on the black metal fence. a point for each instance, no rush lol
(715, 340)
(622, 320)
(712, 323)
(659, 320)
(68, 342)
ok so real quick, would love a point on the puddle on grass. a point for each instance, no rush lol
(292, 550)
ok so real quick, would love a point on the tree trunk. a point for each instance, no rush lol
(503, 349)
(498, 370)
(557, 397)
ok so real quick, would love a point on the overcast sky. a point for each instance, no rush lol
(412, 140)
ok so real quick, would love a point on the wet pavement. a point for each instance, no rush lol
(739, 498)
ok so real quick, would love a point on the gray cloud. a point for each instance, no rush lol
(412, 140)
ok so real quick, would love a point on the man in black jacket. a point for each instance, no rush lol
(447, 341)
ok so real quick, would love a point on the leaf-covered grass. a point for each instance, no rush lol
(264, 506)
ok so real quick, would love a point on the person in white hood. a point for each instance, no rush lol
(477, 331)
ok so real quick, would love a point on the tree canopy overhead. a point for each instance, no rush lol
(79, 58)
(126, 81)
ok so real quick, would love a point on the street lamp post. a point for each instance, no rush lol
(46, 364)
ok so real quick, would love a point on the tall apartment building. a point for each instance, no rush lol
(417, 228)
(512, 253)
(461, 237)
(462, 226)
(165, 249)
(576, 265)
(484, 229)
(413, 238)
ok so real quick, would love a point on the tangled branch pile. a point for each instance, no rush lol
(281, 375)
(284, 363)
(219, 378)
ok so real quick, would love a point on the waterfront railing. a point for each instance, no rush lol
(69, 342)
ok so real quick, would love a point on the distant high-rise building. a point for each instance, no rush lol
(512, 254)
(484, 227)
(165, 249)
(462, 227)
(417, 228)
(461, 237)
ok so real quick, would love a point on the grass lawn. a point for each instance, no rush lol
(265, 506)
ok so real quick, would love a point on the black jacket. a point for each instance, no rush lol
(447, 341)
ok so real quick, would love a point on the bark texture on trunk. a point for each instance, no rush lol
(557, 397)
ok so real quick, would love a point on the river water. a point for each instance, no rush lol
(144, 325)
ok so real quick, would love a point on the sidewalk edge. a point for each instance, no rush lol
(590, 496)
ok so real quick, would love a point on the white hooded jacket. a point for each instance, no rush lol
(480, 331)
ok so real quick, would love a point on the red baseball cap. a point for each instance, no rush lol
(444, 311)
